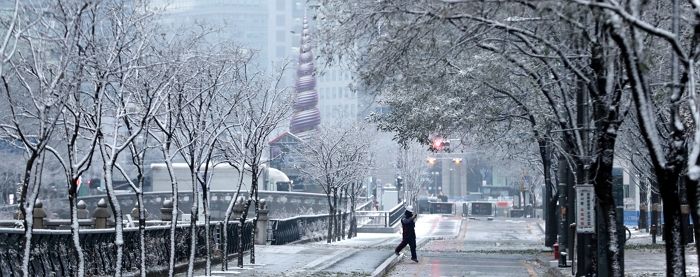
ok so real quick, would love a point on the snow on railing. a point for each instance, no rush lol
(53, 253)
(381, 218)
(301, 227)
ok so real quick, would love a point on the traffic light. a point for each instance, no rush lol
(438, 144)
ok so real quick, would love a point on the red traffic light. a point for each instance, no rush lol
(440, 144)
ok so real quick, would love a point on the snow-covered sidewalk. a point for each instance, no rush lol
(642, 258)
(361, 255)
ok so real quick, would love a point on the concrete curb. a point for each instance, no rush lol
(338, 257)
(387, 265)
(541, 226)
(552, 271)
(390, 262)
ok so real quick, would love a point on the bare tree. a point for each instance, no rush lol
(167, 121)
(258, 115)
(34, 89)
(203, 115)
(412, 165)
(334, 159)
(137, 94)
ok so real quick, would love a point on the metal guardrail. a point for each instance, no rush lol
(296, 228)
(396, 213)
(381, 218)
(306, 226)
(367, 206)
(53, 254)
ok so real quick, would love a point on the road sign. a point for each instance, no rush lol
(442, 207)
(482, 208)
(585, 209)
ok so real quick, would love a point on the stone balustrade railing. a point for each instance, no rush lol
(53, 254)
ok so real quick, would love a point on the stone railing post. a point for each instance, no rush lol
(82, 210)
(38, 215)
(238, 209)
(261, 225)
(135, 213)
(166, 212)
(101, 214)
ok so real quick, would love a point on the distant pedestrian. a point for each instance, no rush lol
(408, 226)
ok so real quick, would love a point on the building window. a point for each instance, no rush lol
(281, 22)
(280, 36)
(280, 5)
(281, 53)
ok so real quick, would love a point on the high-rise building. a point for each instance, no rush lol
(243, 22)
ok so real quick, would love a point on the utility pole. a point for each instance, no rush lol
(584, 238)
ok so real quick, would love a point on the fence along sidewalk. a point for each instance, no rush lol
(53, 254)
(313, 227)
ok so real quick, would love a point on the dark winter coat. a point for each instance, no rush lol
(408, 224)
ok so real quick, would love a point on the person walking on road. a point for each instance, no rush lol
(408, 226)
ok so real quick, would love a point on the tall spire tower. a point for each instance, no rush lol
(306, 117)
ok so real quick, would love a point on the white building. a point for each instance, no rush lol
(222, 177)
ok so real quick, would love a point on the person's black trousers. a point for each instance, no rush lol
(411, 242)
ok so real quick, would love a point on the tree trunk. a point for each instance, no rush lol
(667, 170)
(241, 230)
(549, 201)
(353, 224)
(675, 250)
(343, 214)
(75, 226)
(655, 208)
(194, 211)
(142, 229)
(173, 220)
(118, 218)
(227, 217)
(26, 209)
(692, 190)
(602, 180)
(207, 220)
(643, 223)
(331, 211)
(335, 215)
(606, 120)
(254, 231)
(254, 195)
